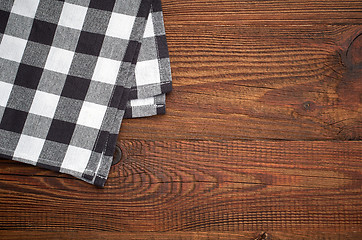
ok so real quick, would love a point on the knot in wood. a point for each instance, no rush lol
(308, 106)
(263, 236)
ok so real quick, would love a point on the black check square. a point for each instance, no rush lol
(106, 5)
(131, 51)
(90, 43)
(42, 32)
(75, 87)
(156, 6)
(143, 11)
(13, 120)
(162, 47)
(28, 76)
(102, 137)
(51, 166)
(4, 16)
(61, 131)
(118, 91)
(112, 140)
(136, 54)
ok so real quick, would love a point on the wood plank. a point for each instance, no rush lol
(85, 235)
(199, 186)
(242, 70)
(290, 82)
(264, 12)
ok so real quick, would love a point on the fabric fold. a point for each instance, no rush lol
(70, 72)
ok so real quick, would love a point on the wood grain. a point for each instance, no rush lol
(262, 135)
(261, 70)
(278, 12)
(85, 235)
(199, 186)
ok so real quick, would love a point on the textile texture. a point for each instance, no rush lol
(70, 71)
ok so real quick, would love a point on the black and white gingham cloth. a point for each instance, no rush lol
(70, 71)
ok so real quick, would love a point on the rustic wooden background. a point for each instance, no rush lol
(262, 137)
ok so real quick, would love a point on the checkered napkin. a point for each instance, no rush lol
(70, 71)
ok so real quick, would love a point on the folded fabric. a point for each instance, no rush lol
(70, 71)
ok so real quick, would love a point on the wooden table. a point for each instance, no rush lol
(261, 140)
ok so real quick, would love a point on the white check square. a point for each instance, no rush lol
(120, 26)
(12, 48)
(25, 8)
(72, 16)
(29, 148)
(5, 93)
(149, 32)
(106, 70)
(142, 102)
(147, 72)
(91, 115)
(76, 159)
(59, 60)
(44, 104)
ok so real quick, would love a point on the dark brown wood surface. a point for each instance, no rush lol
(261, 140)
